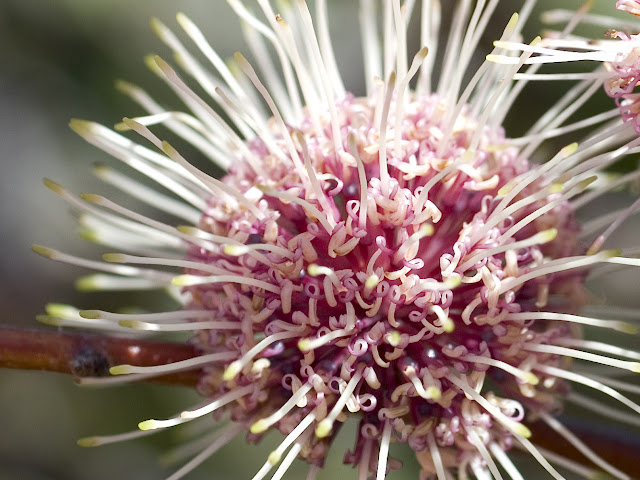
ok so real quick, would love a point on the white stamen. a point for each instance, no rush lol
(516, 428)
(179, 327)
(292, 95)
(528, 377)
(311, 210)
(370, 44)
(400, 100)
(362, 178)
(97, 441)
(436, 457)
(430, 393)
(217, 403)
(315, 185)
(188, 280)
(326, 425)
(539, 238)
(600, 346)
(564, 317)
(540, 458)
(218, 443)
(382, 142)
(601, 387)
(581, 446)
(188, 364)
(505, 461)
(590, 357)
(484, 453)
(236, 367)
(150, 196)
(383, 456)
(264, 423)
(276, 455)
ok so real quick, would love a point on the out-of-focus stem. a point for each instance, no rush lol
(87, 355)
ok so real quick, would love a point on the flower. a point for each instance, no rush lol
(393, 257)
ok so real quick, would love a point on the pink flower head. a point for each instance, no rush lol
(393, 257)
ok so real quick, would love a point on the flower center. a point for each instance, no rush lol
(396, 277)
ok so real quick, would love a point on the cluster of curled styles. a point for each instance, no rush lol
(394, 284)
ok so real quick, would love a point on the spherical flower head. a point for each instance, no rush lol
(392, 257)
(390, 286)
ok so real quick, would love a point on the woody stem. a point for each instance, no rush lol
(88, 355)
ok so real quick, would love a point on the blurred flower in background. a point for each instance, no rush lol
(62, 60)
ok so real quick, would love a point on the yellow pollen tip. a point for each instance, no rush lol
(448, 325)
(372, 281)
(183, 20)
(260, 426)
(304, 345)
(520, 429)
(635, 367)
(157, 26)
(168, 149)
(59, 309)
(235, 250)
(91, 197)
(150, 62)
(49, 320)
(593, 249)
(86, 283)
(44, 251)
(324, 428)
(313, 270)
(548, 235)
(148, 425)
(88, 442)
(101, 171)
(598, 476)
(53, 186)
(569, 149)
(120, 369)
(453, 282)
(89, 314)
(434, 392)
(513, 21)
(506, 188)
(88, 234)
(181, 280)
(135, 324)
(113, 257)
(556, 188)
(531, 379)
(426, 230)
(393, 338)
(187, 229)
(81, 127)
(274, 457)
(614, 252)
(231, 371)
(627, 328)
(584, 184)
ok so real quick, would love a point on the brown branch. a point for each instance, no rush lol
(89, 355)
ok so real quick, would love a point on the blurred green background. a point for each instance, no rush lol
(59, 59)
